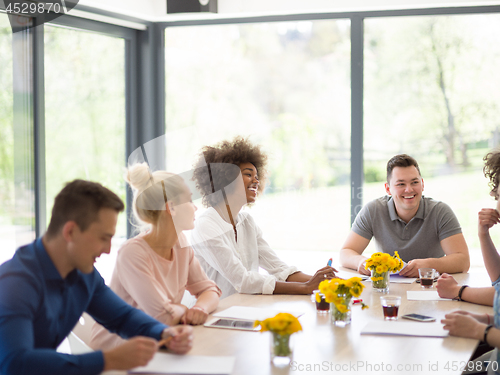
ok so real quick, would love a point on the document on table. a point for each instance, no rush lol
(166, 363)
(405, 329)
(252, 313)
(348, 275)
(423, 295)
(404, 266)
(396, 278)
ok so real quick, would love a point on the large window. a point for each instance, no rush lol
(431, 89)
(85, 112)
(7, 224)
(17, 210)
(286, 86)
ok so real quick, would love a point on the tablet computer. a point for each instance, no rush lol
(245, 325)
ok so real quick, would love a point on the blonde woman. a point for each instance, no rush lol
(154, 268)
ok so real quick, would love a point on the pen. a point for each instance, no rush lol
(164, 341)
(329, 262)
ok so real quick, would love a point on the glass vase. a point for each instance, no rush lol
(281, 349)
(341, 313)
(380, 281)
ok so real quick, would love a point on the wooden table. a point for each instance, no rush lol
(325, 349)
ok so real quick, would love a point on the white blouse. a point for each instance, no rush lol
(234, 266)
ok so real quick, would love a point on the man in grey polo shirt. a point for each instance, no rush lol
(425, 232)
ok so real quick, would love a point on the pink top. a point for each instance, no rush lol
(151, 283)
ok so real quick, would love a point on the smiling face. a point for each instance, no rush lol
(84, 247)
(250, 181)
(406, 187)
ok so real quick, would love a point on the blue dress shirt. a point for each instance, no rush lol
(38, 309)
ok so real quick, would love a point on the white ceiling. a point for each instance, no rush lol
(155, 10)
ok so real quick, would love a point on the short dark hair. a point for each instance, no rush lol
(401, 160)
(491, 170)
(80, 201)
(237, 152)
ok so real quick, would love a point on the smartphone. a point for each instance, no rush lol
(245, 325)
(420, 318)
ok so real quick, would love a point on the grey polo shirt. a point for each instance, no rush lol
(419, 238)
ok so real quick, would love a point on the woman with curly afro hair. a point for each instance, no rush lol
(226, 240)
(484, 327)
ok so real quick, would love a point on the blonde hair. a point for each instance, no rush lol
(152, 191)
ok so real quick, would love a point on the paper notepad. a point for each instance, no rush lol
(405, 329)
(396, 278)
(423, 295)
(348, 275)
(252, 313)
(165, 363)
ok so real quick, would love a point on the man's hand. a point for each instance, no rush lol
(181, 340)
(361, 267)
(487, 217)
(462, 324)
(411, 269)
(136, 352)
(194, 316)
(325, 273)
(447, 286)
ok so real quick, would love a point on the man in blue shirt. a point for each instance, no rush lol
(47, 285)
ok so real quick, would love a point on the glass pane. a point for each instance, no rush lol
(85, 113)
(431, 91)
(286, 86)
(16, 141)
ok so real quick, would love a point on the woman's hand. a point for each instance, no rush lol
(195, 316)
(463, 324)
(487, 217)
(325, 273)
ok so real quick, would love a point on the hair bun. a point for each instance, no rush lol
(139, 176)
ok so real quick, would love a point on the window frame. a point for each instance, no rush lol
(145, 83)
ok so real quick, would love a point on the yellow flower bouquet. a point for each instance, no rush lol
(381, 264)
(338, 293)
(282, 326)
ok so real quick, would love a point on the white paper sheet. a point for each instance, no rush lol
(252, 313)
(396, 278)
(423, 295)
(348, 275)
(398, 328)
(404, 266)
(166, 363)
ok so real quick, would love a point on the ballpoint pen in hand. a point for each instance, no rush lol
(166, 340)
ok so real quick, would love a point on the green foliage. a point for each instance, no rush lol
(85, 110)
(285, 85)
(431, 87)
(6, 124)
(374, 173)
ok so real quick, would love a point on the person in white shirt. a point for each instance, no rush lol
(227, 241)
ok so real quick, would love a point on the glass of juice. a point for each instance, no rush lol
(322, 307)
(426, 277)
(390, 305)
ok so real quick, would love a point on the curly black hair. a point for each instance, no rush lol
(491, 170)
(236, 152)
